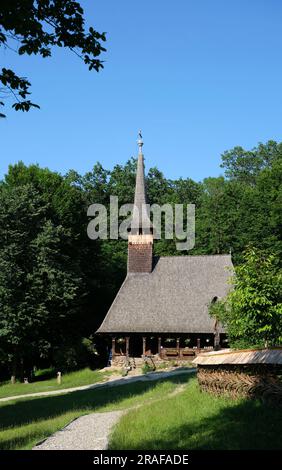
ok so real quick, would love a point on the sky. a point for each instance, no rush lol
(197, 76)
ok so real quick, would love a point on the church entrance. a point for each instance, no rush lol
(140, 344)
(135, 346)
(151, 345)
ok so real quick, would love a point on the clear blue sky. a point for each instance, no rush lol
(197, 76)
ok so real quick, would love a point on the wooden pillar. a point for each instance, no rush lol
(113, 347)
(127, 346)
(198, 343)
(216, 341)
(144, 345)
(216, 335)
(177, 346)
(159, 345)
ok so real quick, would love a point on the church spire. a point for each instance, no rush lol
(140, 219)
(140, 142)
(140, 238)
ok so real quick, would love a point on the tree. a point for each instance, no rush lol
(39, 282)
(46, 256)
(245, 165)
(252, 311)
(217, 216)
(66, 199)
(159, 189)
(122, 181)
(34, 27)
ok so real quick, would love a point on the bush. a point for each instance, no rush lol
(147, 368)
(252, 311)
(79, 353)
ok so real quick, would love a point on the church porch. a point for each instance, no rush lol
(180, 347)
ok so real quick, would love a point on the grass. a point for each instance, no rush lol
(195, 420)
(188, 420)
(72, 379)
(25, 422)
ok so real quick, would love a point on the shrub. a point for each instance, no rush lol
(252, 311)
(147, 368)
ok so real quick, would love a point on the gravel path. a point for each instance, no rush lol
(90, 432)
(51, 392)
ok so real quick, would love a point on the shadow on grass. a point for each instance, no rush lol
(21, 442)
(30, 410)
(247, 425)
(45, 374)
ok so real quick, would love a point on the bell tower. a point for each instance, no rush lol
(140, 238)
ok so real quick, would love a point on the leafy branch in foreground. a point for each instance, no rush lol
(34, 27)
(252, 311)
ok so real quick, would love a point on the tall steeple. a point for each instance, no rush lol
(140, 220)
(140, 238)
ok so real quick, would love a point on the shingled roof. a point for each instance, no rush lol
(173, 298)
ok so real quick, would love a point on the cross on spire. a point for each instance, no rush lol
(140, 141)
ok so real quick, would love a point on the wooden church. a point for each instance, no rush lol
(161, 309)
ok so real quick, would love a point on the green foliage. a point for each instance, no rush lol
(147, 368)
(75, 352)
(244, 208)
(252, 312)
(37, 26)
(216, 218)
(39, 282)
(245, 166)
(56, 284)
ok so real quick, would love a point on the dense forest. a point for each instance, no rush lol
(56, 284)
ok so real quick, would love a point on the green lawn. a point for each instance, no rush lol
(195, 420)
(26, 421)
(72, 379)
(188, 420)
